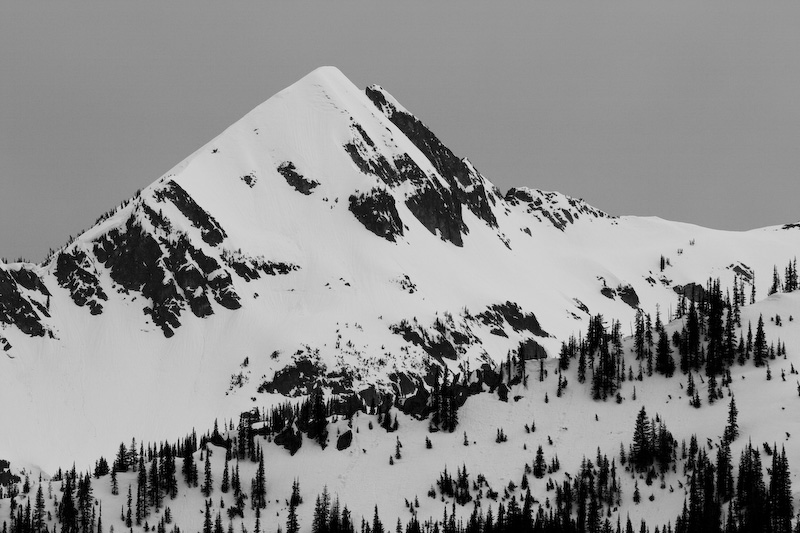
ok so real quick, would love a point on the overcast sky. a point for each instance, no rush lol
(685, 110)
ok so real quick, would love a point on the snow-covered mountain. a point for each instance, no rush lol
(328, 237)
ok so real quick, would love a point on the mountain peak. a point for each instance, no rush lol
(326, 77)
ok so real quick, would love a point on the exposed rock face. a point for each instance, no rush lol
(290, 438)
(250, 268)
(628, 295)
(464, 183)
(693, 291)
(530, 349)
(295, 179)
(74, 273)
(168, 277)
(344, 440)
(439, 212)
(30, 280)
(556, 208)
(296, 379)
(211, 231)
(376, 210)
(133, 259)
(514, 316)
(366, 157)
(16, 309)
(437, 207)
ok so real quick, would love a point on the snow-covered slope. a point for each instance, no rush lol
(328, 225)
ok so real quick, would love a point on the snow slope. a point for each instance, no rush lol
(311, 228)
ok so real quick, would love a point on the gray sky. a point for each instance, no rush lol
(685, 110)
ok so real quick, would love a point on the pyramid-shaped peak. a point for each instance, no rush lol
(327, 78)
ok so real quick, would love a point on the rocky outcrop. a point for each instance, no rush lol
(290, 438)
(74, 273)
(464, 183)
(250, 268)
(376, 210)
(344, 440)
(628, 295)
(439, 212)
(209, 228)
(16, 309)
(168, 272)
(368, 159)
(692, 291)
(511, 313)
(295, 179)
(558, 209)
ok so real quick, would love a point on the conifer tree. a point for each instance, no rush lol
(189, 468)
(38, 511)
(295, 499)
(724, 472)
(208, 486)
(780, 493)
(377, 525)
(760, 344)
(225, 486)
(129, 513)
(133, 457)
(141, 492)
(776, 282)
(258, 486)
(664, 362)
(732, 429)
(641, 455)
(168, 473)
(207, 524)
(539, 464)
(121, 462)
(291, 520)
(67, 511)
(321, 512)
(155, 486)
(114, 483)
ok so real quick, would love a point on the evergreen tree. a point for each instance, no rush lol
(664, 362)
(85, 503)
(168, 473)
(129, 513)
(67, 511)
(258, 486)
(39, 511)
(155, 486)
(207, 524)
(189, 468)
(141, 492)
(760, 344)
(732, 429)
(319, 419)
(322, 513)
(751, 493)
(121, 462)
(225, 486)
(377, 525)
(641, 455)
(291, 520)
(724, 472)
(539, 465)
(780, 494)
(776, 282)
(208, 484)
